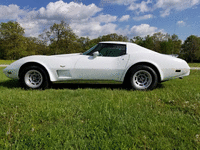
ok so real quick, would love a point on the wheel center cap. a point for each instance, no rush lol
(34, 78)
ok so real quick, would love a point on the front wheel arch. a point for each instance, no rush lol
(32, 64)
(39, 69)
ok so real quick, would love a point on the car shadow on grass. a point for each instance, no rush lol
(93, 86)
(16, 84)
(10, 84)
(86, 85)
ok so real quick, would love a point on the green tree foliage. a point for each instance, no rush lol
(62, 39)
(191, 48)
(2, 50)
(34, 46)
(159, 42)
(114, 37)
(12, 39)
(84, 43)
(138, 40)
(175, 44)
(14, 45)
(148, 42)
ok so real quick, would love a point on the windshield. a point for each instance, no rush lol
(91, 49)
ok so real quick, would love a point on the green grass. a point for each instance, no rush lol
(194, 64)
(101, 116)
(6, 62)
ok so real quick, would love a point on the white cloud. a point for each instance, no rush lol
(165, 12)
(145, 17)
(176, 4)
(140, 7)
(93, 29)
(35, 21)
(34, 27)
(168, 5)
(81, 18)
(181, 23)
(10, 12)
(61, 10)
(119, 2)
(165, 6)
(85, 20)
(105, 18)
(124, 18)
(143, 30)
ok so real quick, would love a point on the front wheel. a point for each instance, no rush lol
(34, 77)
(143, 78)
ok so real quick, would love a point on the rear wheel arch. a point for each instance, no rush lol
(144, 64)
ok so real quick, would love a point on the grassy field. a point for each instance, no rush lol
(194, 64)
(82, 116)
(6, 62)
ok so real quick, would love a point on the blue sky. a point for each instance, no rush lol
(95, 18)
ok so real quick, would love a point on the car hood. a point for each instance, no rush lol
(44, 59)
(66, 55)
(49, 56)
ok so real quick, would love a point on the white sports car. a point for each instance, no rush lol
(131, 64)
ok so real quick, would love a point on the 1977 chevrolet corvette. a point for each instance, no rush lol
(129, 63)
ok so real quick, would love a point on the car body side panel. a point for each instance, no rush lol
(100, 68)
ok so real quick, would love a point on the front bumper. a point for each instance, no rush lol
(11, 72)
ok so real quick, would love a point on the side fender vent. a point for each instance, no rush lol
(178, 71)
(63, 73)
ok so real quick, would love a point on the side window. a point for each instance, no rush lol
(112, 50)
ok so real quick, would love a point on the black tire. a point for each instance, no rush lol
(142, 77)
(34, 77)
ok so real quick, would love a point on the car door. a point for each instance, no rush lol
(109, 65)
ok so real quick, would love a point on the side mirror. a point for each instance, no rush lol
(95, 54)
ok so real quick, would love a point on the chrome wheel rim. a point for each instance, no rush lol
(142, 79)
(33, 79)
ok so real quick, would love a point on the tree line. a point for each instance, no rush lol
(60, 39)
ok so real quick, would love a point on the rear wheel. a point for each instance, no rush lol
(143, 78)
(34, 77)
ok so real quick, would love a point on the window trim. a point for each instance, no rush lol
(95, 49)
